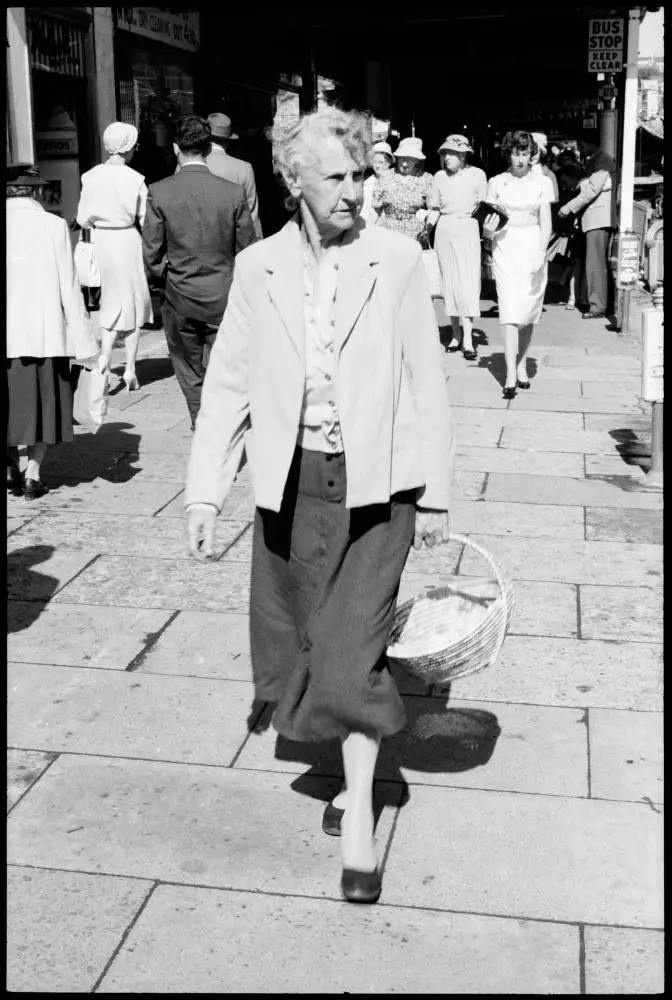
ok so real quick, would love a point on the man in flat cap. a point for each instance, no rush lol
(230, 167)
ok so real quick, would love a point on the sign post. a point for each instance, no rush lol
(606, 42)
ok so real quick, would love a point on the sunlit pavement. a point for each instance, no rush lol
(156, 845)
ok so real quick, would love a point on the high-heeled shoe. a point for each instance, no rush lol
(453, 348)
(509, 391)
(131, 382)
(331, 820)
(361, 887)
(470, 355)
(522, 385)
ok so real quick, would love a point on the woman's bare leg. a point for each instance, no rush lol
(467, 326)
(510, 335)
(360, 753)
(36, 453)
(131, 347)
(108, 338)
(525, 339)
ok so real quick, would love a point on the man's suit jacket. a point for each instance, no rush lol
(390, 389)
(597, 198)
(195, 224)
(238, 172)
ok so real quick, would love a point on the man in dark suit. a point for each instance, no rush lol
(195, 224)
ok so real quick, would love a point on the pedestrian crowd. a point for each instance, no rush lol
(314, 354)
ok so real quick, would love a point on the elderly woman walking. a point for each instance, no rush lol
(112, 204)
(327, 371)
(457, 190)
(46, 327)
(519, 251)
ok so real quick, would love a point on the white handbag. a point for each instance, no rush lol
(431, 262)
(86, 265)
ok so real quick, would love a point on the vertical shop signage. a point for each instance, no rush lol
(606, 39)
(177, 28)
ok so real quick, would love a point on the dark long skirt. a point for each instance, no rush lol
(39, 399)
(324, 588)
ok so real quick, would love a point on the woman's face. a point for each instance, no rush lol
(406, 165)
(521, 161)
(452, 161)
(380, 163)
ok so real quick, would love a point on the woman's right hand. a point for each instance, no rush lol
(201, 532)
(103, 365)
(490, 225)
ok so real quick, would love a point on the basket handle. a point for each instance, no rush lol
(464, 540)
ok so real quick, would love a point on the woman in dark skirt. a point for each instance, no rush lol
(327, 370)
(46, 326)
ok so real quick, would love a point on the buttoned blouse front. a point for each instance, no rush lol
(320, 428)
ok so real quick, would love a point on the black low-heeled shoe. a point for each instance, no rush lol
(331, 820)
(361, 887)
(509, 391)
(522, 385)
(33, 489)
(470, 355)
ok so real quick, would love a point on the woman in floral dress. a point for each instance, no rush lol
(401, 199)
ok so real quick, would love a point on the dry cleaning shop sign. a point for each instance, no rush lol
(178, 28)
(605, 45)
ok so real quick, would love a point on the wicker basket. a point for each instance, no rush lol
(429, 639)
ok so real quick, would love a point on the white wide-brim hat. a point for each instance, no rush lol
(382, 147)
(412, 148)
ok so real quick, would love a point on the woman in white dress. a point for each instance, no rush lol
(457, 190)
(519, 251)
(112, 205)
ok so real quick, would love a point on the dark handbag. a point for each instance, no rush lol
(425, 238)
(486, 208)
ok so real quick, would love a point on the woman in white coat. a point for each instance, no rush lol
(46, 326)
(112, 204)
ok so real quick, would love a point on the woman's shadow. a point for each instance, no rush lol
(496, 365)
(437, 739)
(28, 592)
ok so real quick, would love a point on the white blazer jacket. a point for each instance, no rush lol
(391, 392)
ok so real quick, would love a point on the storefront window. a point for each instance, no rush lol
(154, 91)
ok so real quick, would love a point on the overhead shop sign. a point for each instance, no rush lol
(605, 45)
(178, 28)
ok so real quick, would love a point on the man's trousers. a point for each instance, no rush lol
(189, 345)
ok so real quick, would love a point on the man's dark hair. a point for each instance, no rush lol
(193, 135)
(518, 140)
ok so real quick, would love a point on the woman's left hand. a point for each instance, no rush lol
(431, 527)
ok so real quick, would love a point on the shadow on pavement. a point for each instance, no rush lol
(105, 455)
(436, 740)
(148, 370)
(32, 589)
(496, 365)
(632, 449)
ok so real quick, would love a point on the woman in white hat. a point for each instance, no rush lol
(457, 190)
(382, 163)
(401, 199)
(112, 205)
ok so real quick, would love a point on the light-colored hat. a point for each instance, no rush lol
(412, 148)
(383, 147)
(456, 144)
(541, 141)
(220, 126)
(119, 137)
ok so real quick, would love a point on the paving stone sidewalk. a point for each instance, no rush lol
(156, 845)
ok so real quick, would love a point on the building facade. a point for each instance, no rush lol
(73, 70)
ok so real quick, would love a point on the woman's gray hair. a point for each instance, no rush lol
(294, 143)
